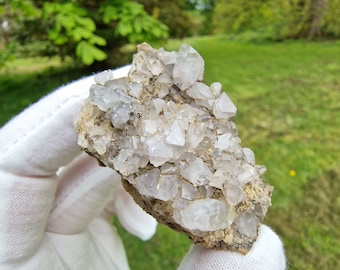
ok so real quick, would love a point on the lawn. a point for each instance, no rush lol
(287, 96)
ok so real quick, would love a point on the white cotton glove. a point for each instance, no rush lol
(53, 197)
(266, 254)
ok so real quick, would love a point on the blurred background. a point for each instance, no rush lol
(279, 61)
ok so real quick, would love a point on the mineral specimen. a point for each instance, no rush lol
(174, 141)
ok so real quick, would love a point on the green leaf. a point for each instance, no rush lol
(53, 33)
(80, 33)
(110, 13)
(138, 25)
(124, 28)
(60, 40)
(94, 39)
(89, 53)
(66, 20)
(87, 23)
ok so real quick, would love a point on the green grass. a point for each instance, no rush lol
(287, 96)
(22, 85)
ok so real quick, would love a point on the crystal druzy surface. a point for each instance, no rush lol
(174, 141)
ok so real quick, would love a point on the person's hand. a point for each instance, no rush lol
(56, 203)
(266, 254)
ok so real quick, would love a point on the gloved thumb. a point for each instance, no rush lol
(266, 254)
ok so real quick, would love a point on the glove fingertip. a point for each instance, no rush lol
(131, 216)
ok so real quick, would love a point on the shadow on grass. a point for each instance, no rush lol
(17, 91)
(310, 227)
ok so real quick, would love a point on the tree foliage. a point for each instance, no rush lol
(172, 13)
(236, 16)
(279, 19)
(331, 19)
(85, 29)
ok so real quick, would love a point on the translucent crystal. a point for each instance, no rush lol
(158, 151)
(200, 91)
(224, 141)
(247, 223)
(168, 58)
(154, 185)
(121, 113)
(216, 88)
(197, 172)
(175, 134)
(158, 103)
(189, 67)
(234, 193)
(196, 133)
(147, 183)
(126, 162)
(224, 107)
(179, 204)
(135, 89)
(204, 215)
(189, 192)
(248, 174)
(102, 98)
(150, 127)
(103, 77)
(249, 155)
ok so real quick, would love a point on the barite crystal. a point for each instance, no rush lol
(174, 141)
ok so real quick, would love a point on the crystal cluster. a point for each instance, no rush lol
(174, 141)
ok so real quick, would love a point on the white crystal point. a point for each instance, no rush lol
(204, 215)
(104, 99)
(147, 183)
(159, 104)
(247, 223)
(158, 151)
(200, 91)
(216, 88)
(197, 172)
(234, 193)
(249, 155)
(224, 108)
(219, 179)
(224, 141)
(168, 58)
(167, 187)
(101, 143)
(151, 127)
(161, 187)
(175, 134)
(189, 67)
(189, 192)
(135, 90)
(103, 77)
(120, 113)
(196, 133)
(248, 174)
(126, 162)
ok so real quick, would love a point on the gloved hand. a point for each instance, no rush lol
(55, 202)
(266, 254)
